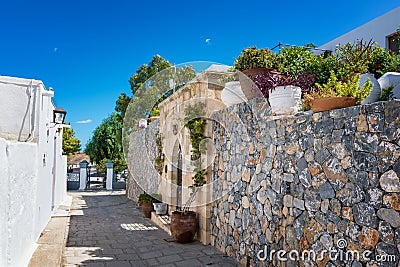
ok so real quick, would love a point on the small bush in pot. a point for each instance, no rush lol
(257, 58)
(252, 62)
(146, 201)
(296, 59)
(266, 82)
(347, 89)
(323, 64)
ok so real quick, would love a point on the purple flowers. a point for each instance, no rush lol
(267, 81)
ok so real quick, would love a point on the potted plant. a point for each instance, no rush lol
(284, 90)
(252, 62)
(337, 94)
(146, 200)
(296, 59)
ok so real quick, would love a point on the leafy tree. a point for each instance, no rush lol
(146, 71)
(71, 144)
(150, 85)
(121, 104)
(106, 144)
(143, 74)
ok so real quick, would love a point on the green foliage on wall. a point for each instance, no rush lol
(159, 160)
(195, 122)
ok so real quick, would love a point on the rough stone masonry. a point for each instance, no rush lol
(304, 182)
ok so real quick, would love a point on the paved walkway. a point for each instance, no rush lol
(107, 229)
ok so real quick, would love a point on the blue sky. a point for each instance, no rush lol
(87, 50)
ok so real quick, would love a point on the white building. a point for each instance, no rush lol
(32, 167)
(381, 30)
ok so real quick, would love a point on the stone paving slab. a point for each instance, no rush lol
(106, 229)
(50, 244)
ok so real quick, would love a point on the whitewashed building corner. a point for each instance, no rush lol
(380, 29)
(32, 167)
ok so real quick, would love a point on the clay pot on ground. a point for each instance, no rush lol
(183, 226)
(147, 208)
(329, 103)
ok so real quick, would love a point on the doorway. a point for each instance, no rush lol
(179, 178)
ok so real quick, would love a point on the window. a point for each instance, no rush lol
(393, 41)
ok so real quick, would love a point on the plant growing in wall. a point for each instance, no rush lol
(196, 125)
(159, 160)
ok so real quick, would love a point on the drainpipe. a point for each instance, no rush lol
(35, 108)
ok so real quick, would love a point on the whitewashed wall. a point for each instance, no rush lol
(377, 29)
(18, 185)
(32, 168)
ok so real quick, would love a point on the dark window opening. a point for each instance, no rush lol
(393, 41)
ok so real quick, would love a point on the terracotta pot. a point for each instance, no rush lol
(329, 103)
(249, 88)
(147, 209)
(154, 118)
(183, 226)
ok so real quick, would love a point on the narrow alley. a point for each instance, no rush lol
(107, 229)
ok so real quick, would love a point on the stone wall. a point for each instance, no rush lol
(142, 152)
(303, 182)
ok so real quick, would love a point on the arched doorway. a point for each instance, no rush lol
(176, 175)
(179, 178)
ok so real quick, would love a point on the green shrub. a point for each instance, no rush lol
(253, 58)
(335, 87)
(296, 59)
(387, 94)
(145, 199)
(355, 56)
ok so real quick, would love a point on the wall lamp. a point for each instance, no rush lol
(59, 115)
